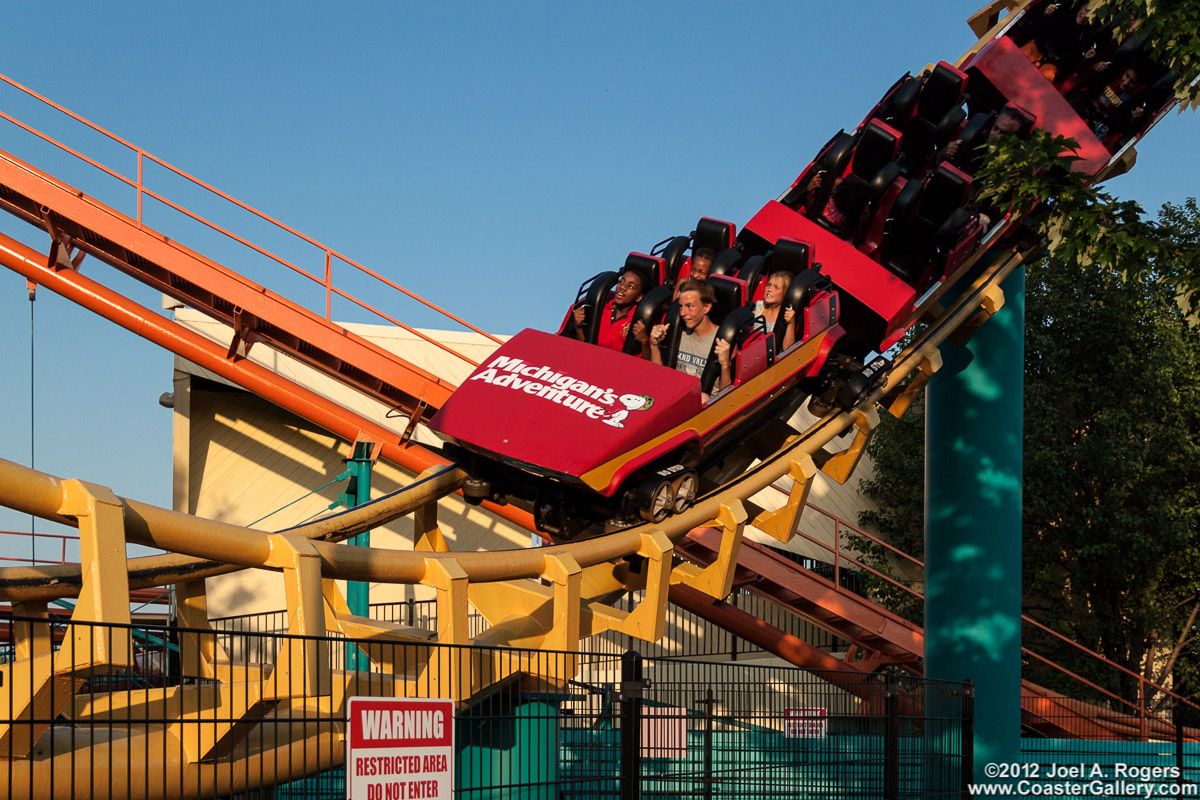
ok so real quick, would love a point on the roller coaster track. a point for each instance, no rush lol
(569, 603)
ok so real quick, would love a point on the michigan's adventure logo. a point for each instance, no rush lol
(595, 402)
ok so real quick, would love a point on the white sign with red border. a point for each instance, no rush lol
(399, 749)
(805, 723)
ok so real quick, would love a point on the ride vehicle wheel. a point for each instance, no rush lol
(687, 486)
(852, 392)
(476, 490)
(656, 498)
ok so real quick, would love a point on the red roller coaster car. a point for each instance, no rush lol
(592, 438)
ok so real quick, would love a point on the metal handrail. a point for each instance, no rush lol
(1143, 683)
(839, 554)
(63, 539)
(330, 254)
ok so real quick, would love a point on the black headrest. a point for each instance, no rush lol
(948, 232)
(803, 287)
(836, 155)
(944, 87)
(883, 179)
(713, 233)
(973, 135)
(946, 190)
(650, 267)
(726, 262)
(791, 255)
(751, 272)
(797, 297)
(905, 205)
(673, 254)
(593, 294)
(877, 146)
(1157, 92)
(1129, 49)
(730, 328)
(730, 292)
(948, 125)
(651, 308)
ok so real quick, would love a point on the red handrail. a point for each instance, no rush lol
(1142, 710)
(62, 539)
(326, 282)
(838, 554)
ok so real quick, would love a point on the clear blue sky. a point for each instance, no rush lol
(489, 156)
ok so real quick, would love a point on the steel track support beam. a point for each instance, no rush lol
(781, 523)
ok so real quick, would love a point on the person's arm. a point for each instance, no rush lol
(789, 332)
(725, 359)
(642, 336)
(810, 194)
(657, 334)
(947, 151)
(580, 313)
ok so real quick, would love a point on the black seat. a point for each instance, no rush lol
(917, 241)
(732, 318)
(651, 310)
(673, 252)
(791, 255)
(877, 146)
(973, 137)
(731, 294)
(831, 161)
(592, 295)
(899, 102)
(754, 270)
(730, 298)
(872, 166)
(714, 234)
(938, 117)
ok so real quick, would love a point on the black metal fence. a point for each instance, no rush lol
(687, 635)
(1115, 741)
(110, 711)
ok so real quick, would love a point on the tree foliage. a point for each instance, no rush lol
(1112, 462)
(1112, 465)
(1083, 222)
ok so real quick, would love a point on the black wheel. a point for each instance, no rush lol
(853, 391)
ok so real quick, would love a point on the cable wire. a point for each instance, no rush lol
(32, 465)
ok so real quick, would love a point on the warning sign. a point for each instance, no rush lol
(399, 749)
(804, 723)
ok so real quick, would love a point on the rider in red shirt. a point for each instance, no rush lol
(614, 319)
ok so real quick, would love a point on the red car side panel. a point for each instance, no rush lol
(1018, 79)
(563, 405)
(880, 290)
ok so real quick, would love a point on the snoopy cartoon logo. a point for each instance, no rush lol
(632, 402)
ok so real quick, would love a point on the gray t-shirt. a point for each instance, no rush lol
(693, 352)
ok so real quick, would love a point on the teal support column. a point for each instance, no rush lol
(358, 491)
(973, 444)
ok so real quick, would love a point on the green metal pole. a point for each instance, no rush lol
(358, 491)
(974, 425)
